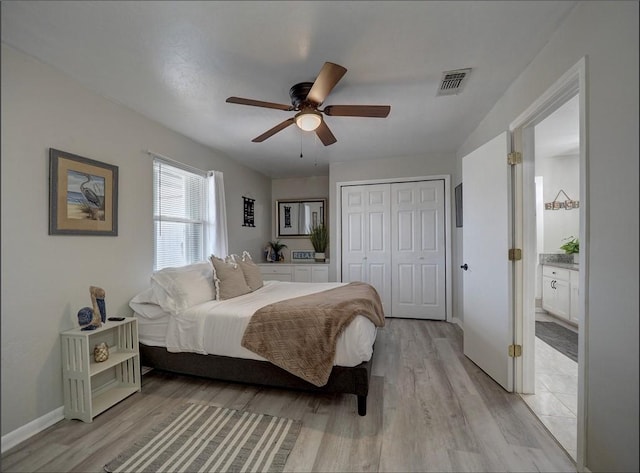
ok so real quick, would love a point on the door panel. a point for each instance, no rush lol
(366, 252)
(418, 254)
(488, 311)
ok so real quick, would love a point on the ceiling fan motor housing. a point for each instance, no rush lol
(298, 94)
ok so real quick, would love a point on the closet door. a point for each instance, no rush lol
(366, 238)
(418, 250)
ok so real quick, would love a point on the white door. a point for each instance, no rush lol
(366, 254)
(488, 308)
(418, 250)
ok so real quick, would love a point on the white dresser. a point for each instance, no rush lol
(298, 272)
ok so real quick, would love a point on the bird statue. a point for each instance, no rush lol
(99, 308)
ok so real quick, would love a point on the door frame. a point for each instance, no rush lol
(337, 234)
(570, 84)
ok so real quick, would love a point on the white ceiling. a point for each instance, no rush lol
(177, 62)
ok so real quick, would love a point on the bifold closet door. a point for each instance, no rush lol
(366, 238)
(418, 252)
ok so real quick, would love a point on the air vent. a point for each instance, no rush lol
(453, 82)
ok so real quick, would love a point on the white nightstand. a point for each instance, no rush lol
(89, 387)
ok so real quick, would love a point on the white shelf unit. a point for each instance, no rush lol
(89, 387)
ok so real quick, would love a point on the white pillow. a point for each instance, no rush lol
(177, 289)
(146, 305)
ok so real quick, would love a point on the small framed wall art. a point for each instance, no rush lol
(83, 195)
(458, 195)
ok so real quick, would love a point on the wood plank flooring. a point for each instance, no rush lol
(429, 409)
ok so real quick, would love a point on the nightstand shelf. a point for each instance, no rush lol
(89, 387)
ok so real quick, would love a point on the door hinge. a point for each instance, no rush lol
(515, 254)
(515, 351)
(514, 158)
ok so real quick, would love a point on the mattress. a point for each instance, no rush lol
(216, 327)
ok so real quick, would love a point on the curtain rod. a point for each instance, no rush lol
(177, 163)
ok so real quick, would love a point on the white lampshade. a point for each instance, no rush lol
(308, 121)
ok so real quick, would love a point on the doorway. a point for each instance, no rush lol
(557, 181)
(564, 101)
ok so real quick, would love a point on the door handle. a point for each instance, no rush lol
(465, 266)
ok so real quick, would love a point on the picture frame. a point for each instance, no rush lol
(458, 196)
(294, 218)
(83, 195)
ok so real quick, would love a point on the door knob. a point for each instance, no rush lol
(465, 266)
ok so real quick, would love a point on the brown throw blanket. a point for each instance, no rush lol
(300, 334)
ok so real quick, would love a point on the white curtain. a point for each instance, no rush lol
(216, 237)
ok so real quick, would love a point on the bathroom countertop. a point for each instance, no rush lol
(572, 266)
(559, 261)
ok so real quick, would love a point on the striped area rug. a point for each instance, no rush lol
(207, 438)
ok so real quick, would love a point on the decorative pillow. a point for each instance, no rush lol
(177, 289)
(252, 274)
(228, 279)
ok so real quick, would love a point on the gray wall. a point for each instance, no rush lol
(607, 34)
(46, 279)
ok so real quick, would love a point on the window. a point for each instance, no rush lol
(179, 214)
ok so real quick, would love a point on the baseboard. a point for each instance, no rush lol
(458, 322)
(21, 434)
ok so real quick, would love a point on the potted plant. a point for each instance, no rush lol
(319, 237)
(571, 247)
(276, 248)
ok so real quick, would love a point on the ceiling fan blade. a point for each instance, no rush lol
(327, 79)
(325, 135)
(259, 103)
(372, 111)
(274, 130)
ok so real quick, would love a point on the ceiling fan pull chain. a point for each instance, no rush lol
(300, 145)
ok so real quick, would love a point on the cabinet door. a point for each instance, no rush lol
(548, 295)
(320, 273)
(302, 274)
(563, 298)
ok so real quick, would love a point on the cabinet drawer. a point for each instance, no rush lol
(275, 269)
(556, 273)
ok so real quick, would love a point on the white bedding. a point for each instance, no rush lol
(216, 327)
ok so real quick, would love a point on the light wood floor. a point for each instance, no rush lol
(429, 409)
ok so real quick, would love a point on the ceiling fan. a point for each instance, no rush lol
(306, 98)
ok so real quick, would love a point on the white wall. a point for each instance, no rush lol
(46, 279)
(607, 34)
(315, 187)
(559, 173)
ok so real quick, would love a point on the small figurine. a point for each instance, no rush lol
(99, 308)
(85, 315)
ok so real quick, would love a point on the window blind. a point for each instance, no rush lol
(179, 211)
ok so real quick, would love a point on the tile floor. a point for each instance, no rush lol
(556, 399)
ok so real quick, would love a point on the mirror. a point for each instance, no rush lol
(295, 217)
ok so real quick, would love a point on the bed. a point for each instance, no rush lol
(188, 325)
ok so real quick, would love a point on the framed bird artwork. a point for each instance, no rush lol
(83, 195)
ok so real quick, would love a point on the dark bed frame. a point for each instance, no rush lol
(353, 380)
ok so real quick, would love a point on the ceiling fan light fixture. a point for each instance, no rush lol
(308, 121)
